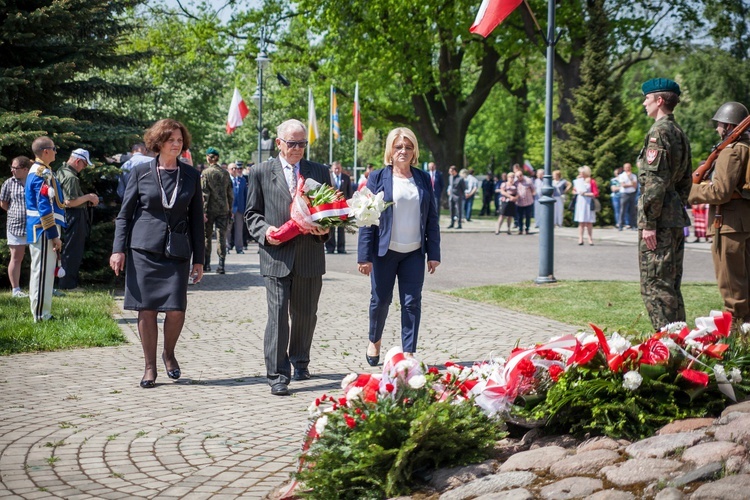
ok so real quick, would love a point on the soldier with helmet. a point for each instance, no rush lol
(729, 188)
(664, 175)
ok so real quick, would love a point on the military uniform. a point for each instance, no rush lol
(218, 196)
(731, 246)
(45, 211)
(664, 176)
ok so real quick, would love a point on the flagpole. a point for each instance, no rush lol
(547, 202)
(330, 126)
(356, 119)
(309, 100)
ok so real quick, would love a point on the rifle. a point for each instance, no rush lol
(703, 172)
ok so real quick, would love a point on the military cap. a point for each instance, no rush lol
(212, 151)
(660, 85)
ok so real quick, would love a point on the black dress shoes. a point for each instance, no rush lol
(301, 374)
(372, 360)
(279, 389)
(173, 374)
(148, 384)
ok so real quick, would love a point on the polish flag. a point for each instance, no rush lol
(357, 114)
(237, 112)
(491, 13)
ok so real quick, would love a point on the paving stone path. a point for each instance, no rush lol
(75, 424)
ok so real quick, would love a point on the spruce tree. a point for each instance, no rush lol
(598, 136)
(50, 54)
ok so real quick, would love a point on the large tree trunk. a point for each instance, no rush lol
(569, 76)
(446, 145)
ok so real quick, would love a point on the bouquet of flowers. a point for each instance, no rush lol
(366, 207)
(589, 382)
(314, 205)
(389, 427)
(317, 205)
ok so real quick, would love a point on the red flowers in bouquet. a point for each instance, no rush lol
(654, 352)
(695, 377)
(314, 206)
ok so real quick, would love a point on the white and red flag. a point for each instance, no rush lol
(491, 13)
(237, 112)
(356, 111)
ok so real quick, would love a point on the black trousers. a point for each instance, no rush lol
(337, 240)
(74, 240)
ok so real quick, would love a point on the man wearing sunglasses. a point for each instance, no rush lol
(292, 271)
(45, 215)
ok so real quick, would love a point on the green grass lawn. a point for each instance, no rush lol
(82, 319)
(615, 305)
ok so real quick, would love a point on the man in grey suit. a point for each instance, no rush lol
(293, 271)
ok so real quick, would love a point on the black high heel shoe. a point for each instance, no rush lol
(372, 360)
(148, 384)
(173, 374)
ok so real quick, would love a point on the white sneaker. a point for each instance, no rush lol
(18, 294)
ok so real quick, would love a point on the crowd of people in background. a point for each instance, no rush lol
(171, 212)
(513, 197)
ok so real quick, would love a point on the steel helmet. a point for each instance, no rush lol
(731, 112)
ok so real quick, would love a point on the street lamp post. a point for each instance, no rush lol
(257, 98)
(547, 222)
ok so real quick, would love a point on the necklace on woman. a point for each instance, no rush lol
(168, 204)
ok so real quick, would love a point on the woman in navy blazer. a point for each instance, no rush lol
(396, 248)
(161, 192)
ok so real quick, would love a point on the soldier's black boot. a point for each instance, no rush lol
(207, 268)
(220, 269)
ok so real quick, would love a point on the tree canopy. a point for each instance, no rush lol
(50, 52)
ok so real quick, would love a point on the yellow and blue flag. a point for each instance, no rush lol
(335, 116)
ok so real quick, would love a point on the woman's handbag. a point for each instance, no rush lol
(572, 204)
(178, 243)
(596, 205)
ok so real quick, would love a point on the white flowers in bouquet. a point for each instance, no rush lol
(618, 344)
(320, 424)
(366, 207)
(632, 380)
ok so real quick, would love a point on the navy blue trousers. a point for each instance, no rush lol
(409, 268)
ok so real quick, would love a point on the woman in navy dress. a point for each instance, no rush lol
(162, 196)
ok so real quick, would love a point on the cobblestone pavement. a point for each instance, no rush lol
(75, 424)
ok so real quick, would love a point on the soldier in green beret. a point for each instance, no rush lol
(664, 174)
(217, 207)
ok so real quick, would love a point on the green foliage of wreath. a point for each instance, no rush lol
(383, 454)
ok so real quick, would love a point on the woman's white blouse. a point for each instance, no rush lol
(405, 233)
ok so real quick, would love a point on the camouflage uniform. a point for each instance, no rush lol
(218, 196)
(664, 176)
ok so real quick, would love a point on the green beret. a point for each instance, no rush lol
(660, 85)
(212, 151)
